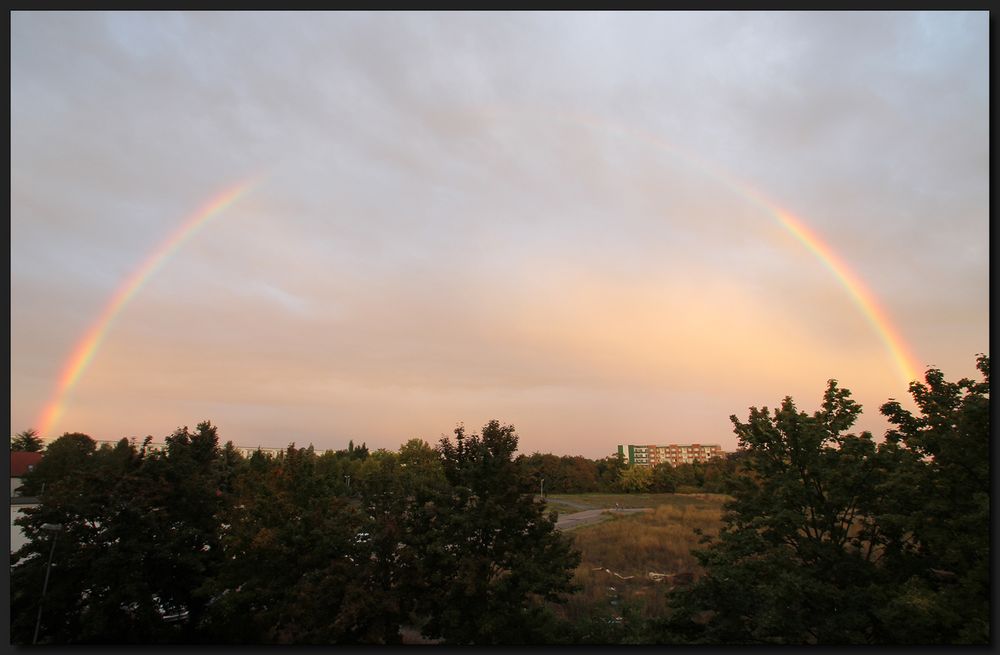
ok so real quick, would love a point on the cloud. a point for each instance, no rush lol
(533, 213)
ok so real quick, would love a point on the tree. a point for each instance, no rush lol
(831, 538)
(27, 441)
(547, 467)
(139, 538)
(580, 474)
(64, 459)
(497, 560)
(291, 558)
(942, 502)
(196, 544)
(716, 472)
(690, 475)
(663, 480)
(403, 496)
(305, 563)
(608, 472)
(796, 558)
(635, 479)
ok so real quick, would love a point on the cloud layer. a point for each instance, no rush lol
(532, 217)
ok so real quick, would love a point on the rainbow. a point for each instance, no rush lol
(85, 349)
(876, 316)
(859, 293)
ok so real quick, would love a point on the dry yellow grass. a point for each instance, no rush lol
(659, 541)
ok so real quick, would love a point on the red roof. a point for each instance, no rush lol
(21, 462)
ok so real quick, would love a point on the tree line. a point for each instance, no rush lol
(829, 536)
(555, 474)
(576, 475)
(198, 544)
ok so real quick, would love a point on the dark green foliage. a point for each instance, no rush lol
(664, 479)
(291, 557)
(575, 474)
(423, 535)
(138, 539)
(197, 544)
(498, 560)
(64, 458)
(618, 624)
(404, 497)
(832, 539)
(608, 471)
(708, 477)
(562, 475)
(27, 441)
(791, 565)
(942, 494)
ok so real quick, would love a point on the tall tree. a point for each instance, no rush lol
(609, 471)
(403, 496)
(27, 441)
(64, 459)
(663, 479)
(833, 539)
(498, 560)
(635, 479)
(795, 561)
(580, 474)
(942, 503)
(139, 537)
(291, 558)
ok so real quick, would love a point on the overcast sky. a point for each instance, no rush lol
(528, 217)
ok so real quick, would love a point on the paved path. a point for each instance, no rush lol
(575, 520)
(572, 503)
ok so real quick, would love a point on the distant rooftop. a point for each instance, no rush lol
(22, 461)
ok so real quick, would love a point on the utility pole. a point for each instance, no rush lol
(54, 528)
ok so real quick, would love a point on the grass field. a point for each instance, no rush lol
(569, 503)
(634, 545)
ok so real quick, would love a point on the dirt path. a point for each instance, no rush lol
(575, 520)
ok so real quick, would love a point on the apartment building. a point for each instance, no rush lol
(673, 454)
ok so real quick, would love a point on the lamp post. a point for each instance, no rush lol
(542, 490)
(55, 529)
(348, 478)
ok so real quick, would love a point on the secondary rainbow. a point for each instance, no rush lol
(865, 300)
(85, 349)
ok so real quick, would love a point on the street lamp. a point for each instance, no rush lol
(542, 491)
(348, 478)
(55, 529)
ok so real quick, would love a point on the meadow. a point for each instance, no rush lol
(633, 560)
(569, 503)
